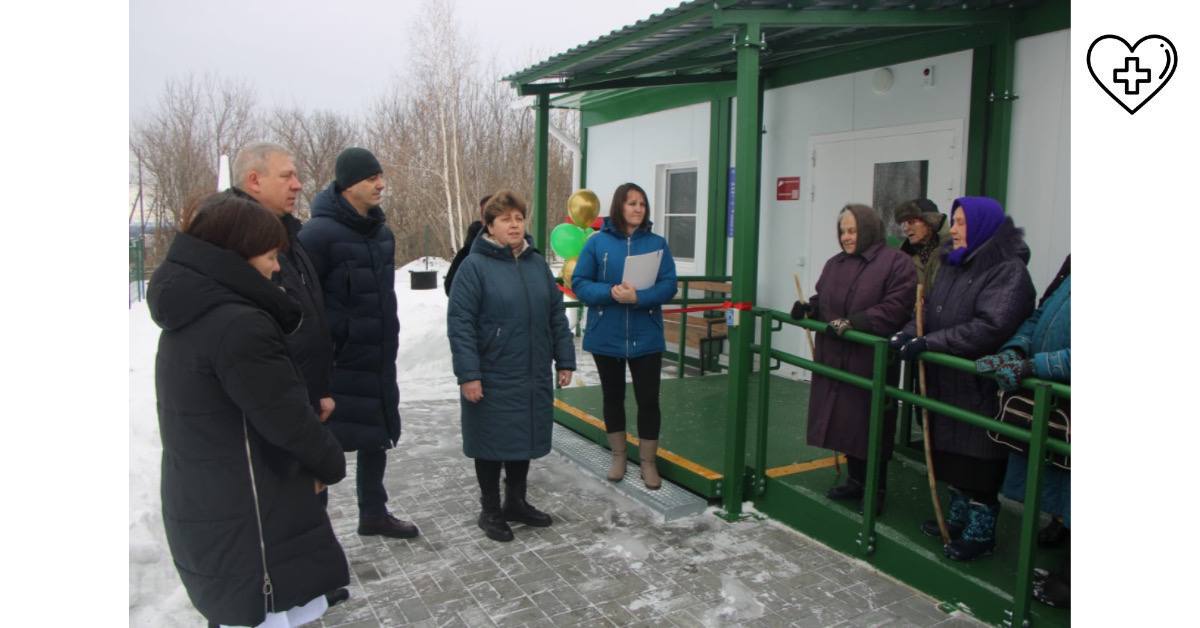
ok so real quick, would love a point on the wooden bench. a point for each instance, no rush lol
(706, 330)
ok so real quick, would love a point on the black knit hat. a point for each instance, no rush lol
(354, 165)
(922, 208)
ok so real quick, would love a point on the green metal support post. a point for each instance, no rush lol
(764, 406)
(683, 330)
(718, 184)
(1000, 98)
(541, 171)
(745, 265)
(866, 539)
(1029, 516)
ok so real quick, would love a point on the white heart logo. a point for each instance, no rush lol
(1132, 75)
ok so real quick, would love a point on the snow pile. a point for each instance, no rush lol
(156, 597)
(423, 365)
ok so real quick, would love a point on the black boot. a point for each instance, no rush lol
(337, 596)
(386, 525)
(517, 509)
(979, 537)
(956, 519)
(1055, 589)
(851, 490)
(491, 520)
(1054, 535)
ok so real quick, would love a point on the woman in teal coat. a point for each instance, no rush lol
(506, 325)
(625, 325)
(1041, 348)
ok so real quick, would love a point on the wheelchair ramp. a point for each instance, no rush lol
(671, 501)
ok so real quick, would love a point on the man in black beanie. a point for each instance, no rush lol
(925, 230)
(354, 252)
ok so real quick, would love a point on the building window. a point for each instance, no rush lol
(679, 213)
(898, 182)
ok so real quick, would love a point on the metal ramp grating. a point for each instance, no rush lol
(671, 501)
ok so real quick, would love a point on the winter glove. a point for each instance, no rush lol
(1010, 374)
(800, 310)
(913, 348)
(899, 340)
(990, 363)
(838, 326)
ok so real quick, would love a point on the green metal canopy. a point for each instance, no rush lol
(694, 42)
(741, 48)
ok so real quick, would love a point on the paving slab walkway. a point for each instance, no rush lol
(606, 560)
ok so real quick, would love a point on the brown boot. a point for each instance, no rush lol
(647, 453)
(616, 442)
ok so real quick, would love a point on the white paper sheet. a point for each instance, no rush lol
(642, 270)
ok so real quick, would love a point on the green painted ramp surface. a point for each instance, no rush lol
(693, 423)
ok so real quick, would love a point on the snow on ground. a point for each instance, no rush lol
(425, 372)
(698, 569)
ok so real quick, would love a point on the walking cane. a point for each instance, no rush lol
(812, 350)
(937, 504)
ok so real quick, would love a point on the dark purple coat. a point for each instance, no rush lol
(973, 309)
(876, 291)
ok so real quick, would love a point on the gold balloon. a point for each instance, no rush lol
(568, 269)
(583, 207)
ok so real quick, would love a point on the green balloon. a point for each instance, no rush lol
(567, 240)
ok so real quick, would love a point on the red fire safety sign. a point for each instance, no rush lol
(787, 189)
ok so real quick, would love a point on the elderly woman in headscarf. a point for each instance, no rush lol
(870, 288)
(982, 294)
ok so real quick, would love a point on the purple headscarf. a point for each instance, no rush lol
(984, 216)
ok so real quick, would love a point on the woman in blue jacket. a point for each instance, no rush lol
(506, 324)
(625, 325)
(1042, 348)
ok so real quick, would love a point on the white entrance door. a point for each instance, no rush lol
(880, 168)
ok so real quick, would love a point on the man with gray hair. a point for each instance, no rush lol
(265, 173)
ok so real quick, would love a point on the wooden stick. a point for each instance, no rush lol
(812, 348)
(812, 351)
(937, 504)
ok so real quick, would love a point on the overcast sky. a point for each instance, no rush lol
(339, 55)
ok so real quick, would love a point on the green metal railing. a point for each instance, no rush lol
(137, 270)
(1045, 393)
(684, 302)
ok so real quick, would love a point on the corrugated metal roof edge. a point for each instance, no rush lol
(654, 18)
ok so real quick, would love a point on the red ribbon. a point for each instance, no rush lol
(727, 305)
(705, 308)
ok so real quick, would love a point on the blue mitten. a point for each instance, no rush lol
(990, 363)
(1010, 374)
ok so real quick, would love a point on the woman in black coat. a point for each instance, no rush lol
(244, 454)
(980, 297)
(867, 287)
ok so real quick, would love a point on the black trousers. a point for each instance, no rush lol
(372, 497)
(487, 472)
(647, 372)
(858, 471)
(979, 479)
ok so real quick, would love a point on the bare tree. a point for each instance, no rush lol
(315, 140)
(446, 133)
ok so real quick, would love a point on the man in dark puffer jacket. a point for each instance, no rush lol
(353, 252)
(264, 172)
